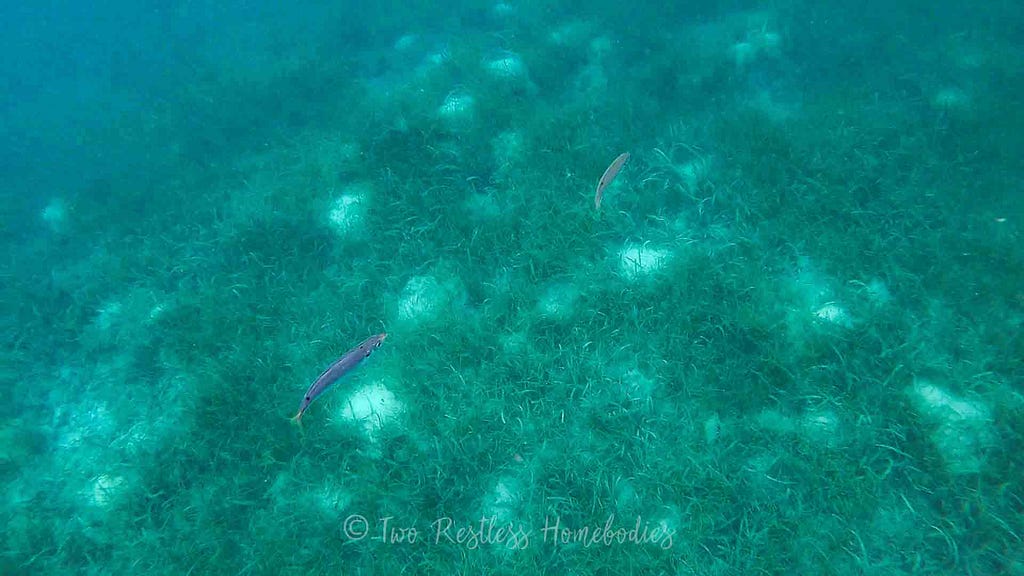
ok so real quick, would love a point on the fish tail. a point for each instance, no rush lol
(297, 419)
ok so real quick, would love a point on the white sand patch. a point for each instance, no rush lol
(347, 215)
(104, 490)
(432, 61)
(963, 428)
(810, 287)
(758, 45)
(422, 298)
(502, 11)
(636, 262)
(87, 421)
(55, 215)
(288, 493)
(508, 146)
(832, 313)
(572, 34)
(515, 343)
(458, 110)
(138, 440)
(636, 385)
(156, 312)
(559, 302)
(108, 315)
(761, 40)
(820, 427)
(284, 491)
(625, 495)
(372, 407)
(126, 319)
(508, 149)
(760, 471)
(627, 381)
(661, 530)
(425, 298)
(482, 206)
(951, 99)
(348, 153)
(743, 53)
(769, 106)
(693, 173)
(878, 292)
(668, 522)
(330, 499)
(501, 502)
(940, 403)
(761, 463)
(592, 78)
(508, 67)
(712, 429)
(813, 302)
(406, 42)
(598, 49)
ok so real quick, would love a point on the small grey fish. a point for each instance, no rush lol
(608, 176)
(339, 368)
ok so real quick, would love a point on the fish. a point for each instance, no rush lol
(337, 369)
(608, 176)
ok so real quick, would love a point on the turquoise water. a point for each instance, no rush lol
(788, 341)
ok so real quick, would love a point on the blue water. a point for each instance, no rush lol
(788, 340)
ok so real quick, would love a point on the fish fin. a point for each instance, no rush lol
(297, 419)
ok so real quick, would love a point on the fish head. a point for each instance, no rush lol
(372, 343)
